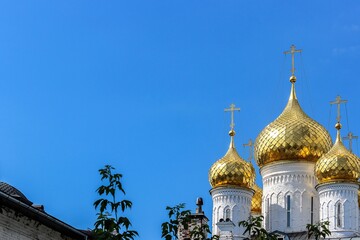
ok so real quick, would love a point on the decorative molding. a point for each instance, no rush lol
(297, 180)
(339, 206)
(237, 200)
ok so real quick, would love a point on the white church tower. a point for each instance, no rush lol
(231, 179)
(338, 172)
(286, 151)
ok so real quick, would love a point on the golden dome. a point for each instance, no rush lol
(256, 200)
(292, 136)
(339, 164)
(232, 170)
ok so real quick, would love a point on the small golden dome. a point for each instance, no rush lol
(292, 136)
(232, 170)
(339, 164)
(256, 200)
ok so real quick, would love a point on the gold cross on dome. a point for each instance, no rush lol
(350, 137)
(292, 51)
(232, 109)
(250, 144)
(338, 101)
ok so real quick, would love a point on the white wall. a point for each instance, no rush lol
(14, 226)
(344, 195)
(237, 200)
(289, 178)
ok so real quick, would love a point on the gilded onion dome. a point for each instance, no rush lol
(256, 200)
(339, 164)
(232, 170)
(292, 136)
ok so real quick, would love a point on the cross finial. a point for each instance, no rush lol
(232, 109)
(350, 137)
(338, 101)
(292, 51)
(250, 144)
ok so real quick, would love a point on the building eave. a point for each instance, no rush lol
(42, 217)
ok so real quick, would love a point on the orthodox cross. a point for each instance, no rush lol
(350, 137)
(338, 101)
(232, 109)
(292, 51)
(250, 144)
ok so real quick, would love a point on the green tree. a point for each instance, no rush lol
(318, 230)
(109, 225)
(253, 226)
(201, 233)
(176, 215)
(180, 217)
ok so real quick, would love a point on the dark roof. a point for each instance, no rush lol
(14, 199)
(14, 192)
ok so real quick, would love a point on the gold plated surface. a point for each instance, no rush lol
(350, 136)
(232, 109)
(256, 200)
(292, 51)
(339, 164)
(250, 144)
(232, 170)
(292, 136)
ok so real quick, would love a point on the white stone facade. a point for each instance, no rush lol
(21, 220)
(339, 206)
(15, 226)
(231, 203)
(290, 200)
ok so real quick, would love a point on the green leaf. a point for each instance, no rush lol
(109, 225)
(125, 204)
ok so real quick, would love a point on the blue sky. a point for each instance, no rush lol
(142, 85)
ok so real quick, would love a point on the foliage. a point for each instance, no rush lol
(109, 225)
(253, 226)
(177, 217)
(176, 214)
(201, 232)
(320, 229)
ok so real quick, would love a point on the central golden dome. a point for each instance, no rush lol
(338, 165)
(232, 170)
(292, 136)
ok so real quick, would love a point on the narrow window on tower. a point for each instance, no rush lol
(338, 215)
(227, 215)
(268, 213)
(288, 207)
(312, 210)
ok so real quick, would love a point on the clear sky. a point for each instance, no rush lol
(142, 85)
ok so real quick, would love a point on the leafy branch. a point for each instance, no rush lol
(179, 218)
(253, 227)
(109, 225)
(318, 230)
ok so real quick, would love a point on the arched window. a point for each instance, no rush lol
(218, 214)
(312, 210)
(267, 213)
(227, 214)
(288, 208)
(338, 214)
